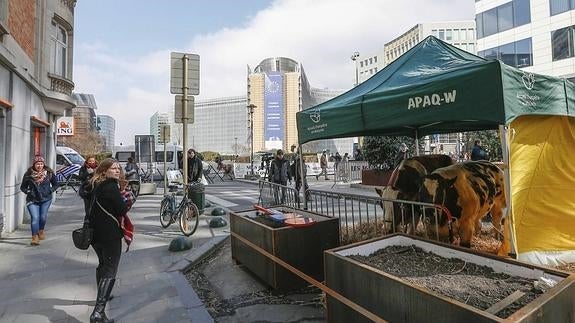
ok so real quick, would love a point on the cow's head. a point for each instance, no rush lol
(409, 178)
(434, 190)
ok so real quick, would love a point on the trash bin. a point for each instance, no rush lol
(197, 195)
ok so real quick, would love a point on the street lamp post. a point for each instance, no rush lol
(235, 149)
(354, 57)
(251, 108)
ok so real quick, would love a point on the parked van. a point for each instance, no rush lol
(174, 154)
(66, 156)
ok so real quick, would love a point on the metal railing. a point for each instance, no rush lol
(349, 171)
(361, 217)
(276, 194)
(365, 217)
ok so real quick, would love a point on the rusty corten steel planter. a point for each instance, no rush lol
(396, 300)
(301, 247)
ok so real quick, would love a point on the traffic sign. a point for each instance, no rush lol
(177, 73)
(178, 113)
(164, 133)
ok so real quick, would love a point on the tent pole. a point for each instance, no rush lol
(416, 143)
(505, 145)
(302, 174)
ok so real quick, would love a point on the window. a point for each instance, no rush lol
(470, 34)
(562, 43)
(455, 34)
(490, 22)
(517, 54)
(370, 60)
(507, 54)
(524, 53)
(479, 25)
(59, 50)
(361, 64)
(441, 34)
(559, 6)
(448, 34)
(375, 59)
(521, 12)
(505, 16)
(434, 33)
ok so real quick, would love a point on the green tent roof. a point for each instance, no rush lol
(436, 88)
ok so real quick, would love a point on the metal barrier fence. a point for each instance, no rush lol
(365, 217)
(276, 194)
(349, 171)
(361, 217)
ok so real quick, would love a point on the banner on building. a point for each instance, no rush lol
(274, 111)
(65, 126)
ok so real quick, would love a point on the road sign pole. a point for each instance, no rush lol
(164, 135)
(185, 117)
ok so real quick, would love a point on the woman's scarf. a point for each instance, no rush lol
(39, 177)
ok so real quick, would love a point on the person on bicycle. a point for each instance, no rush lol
(195, 166)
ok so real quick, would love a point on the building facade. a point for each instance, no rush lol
(106, 126)
(156, 121)
(460, 34)
(535, 35)
(278, 88)
(36, 52)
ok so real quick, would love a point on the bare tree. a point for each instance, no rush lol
(86, 144)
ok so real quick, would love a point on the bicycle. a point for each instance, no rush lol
(186, 211)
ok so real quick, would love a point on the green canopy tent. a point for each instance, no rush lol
(437, 88)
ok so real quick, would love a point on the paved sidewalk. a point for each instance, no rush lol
(55, 282)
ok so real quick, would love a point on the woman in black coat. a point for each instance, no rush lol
(107, 207)
(38, 183)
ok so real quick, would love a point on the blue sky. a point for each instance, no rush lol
(122, 47)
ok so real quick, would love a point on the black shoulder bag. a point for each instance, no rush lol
(83, 236)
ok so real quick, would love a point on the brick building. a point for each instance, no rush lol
(36, 41)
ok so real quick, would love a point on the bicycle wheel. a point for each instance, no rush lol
(189, 219)
(165, 212)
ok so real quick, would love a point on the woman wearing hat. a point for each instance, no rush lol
(38, 184)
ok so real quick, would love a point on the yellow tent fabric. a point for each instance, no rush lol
(542, 155)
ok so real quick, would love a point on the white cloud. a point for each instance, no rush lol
(321, 34)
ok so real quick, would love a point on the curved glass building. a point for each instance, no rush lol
(279, 88)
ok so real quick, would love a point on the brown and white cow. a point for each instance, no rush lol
(469, 190)
(404, 185)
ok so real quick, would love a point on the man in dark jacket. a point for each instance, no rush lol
(279, 174)
(195, 167)
(477, 153)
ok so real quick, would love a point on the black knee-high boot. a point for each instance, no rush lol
(98, 278)
(104, 289)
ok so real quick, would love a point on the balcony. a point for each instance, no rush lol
(60, 84)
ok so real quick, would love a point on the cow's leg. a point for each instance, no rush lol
(467, 229)
(496, 217)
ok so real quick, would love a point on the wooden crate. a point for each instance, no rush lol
(301, 247)
(396, 300)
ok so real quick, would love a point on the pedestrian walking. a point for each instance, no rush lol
(195, 166)
(107, 208)
(279, 174)
(38, 183)
(323, 165)
(300, 180)
(85, 174)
